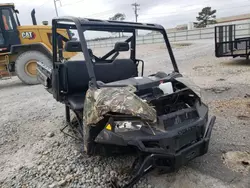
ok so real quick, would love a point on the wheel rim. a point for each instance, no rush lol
(30, 68)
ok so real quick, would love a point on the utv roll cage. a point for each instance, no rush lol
(83, 24)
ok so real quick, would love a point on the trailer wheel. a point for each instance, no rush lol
(25, 66)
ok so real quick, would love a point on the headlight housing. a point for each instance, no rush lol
(127, 126)
(124, 126)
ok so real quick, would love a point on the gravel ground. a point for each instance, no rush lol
(34, 153)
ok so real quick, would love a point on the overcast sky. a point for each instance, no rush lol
(167, 12)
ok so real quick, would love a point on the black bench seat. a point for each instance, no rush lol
(75, 79)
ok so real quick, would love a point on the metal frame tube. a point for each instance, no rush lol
(84, 24)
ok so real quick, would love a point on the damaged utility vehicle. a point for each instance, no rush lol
(118, 109)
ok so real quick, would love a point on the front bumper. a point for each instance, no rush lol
(167, 162)
(169, 150)
(176, 160)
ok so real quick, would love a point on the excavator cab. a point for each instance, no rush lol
(8, 27)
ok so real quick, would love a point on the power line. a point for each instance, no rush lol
(95, 14)
(189, 5)
(181, 11)
(173, 16)
(173, 12)
(176, 12)
(68, 4)
(136, 5)
(42, 4)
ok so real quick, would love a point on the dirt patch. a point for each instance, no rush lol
(221, 79)
(218, 89)
(237, 62)
(237, 107)
(201, 67)
(176, 45)
(244, 118)
(180, 45)
(237, 161)
(203, 70)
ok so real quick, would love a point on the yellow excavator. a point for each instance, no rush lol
(22, 46)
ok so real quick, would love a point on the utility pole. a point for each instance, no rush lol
(56, 6)
(135, 5)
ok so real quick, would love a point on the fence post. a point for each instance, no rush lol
(249, 28)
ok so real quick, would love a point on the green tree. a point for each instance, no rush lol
(118, 17)
(206, 16)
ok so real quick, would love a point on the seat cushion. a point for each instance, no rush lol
(76, 101)
(76, 78)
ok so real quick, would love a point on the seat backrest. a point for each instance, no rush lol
(75, 76)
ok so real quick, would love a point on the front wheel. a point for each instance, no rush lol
(26, 63)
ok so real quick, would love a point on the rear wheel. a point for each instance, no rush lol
(26, 63)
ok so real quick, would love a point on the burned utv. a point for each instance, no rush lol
(159, 116)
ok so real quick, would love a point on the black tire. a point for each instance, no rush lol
(23, 59)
